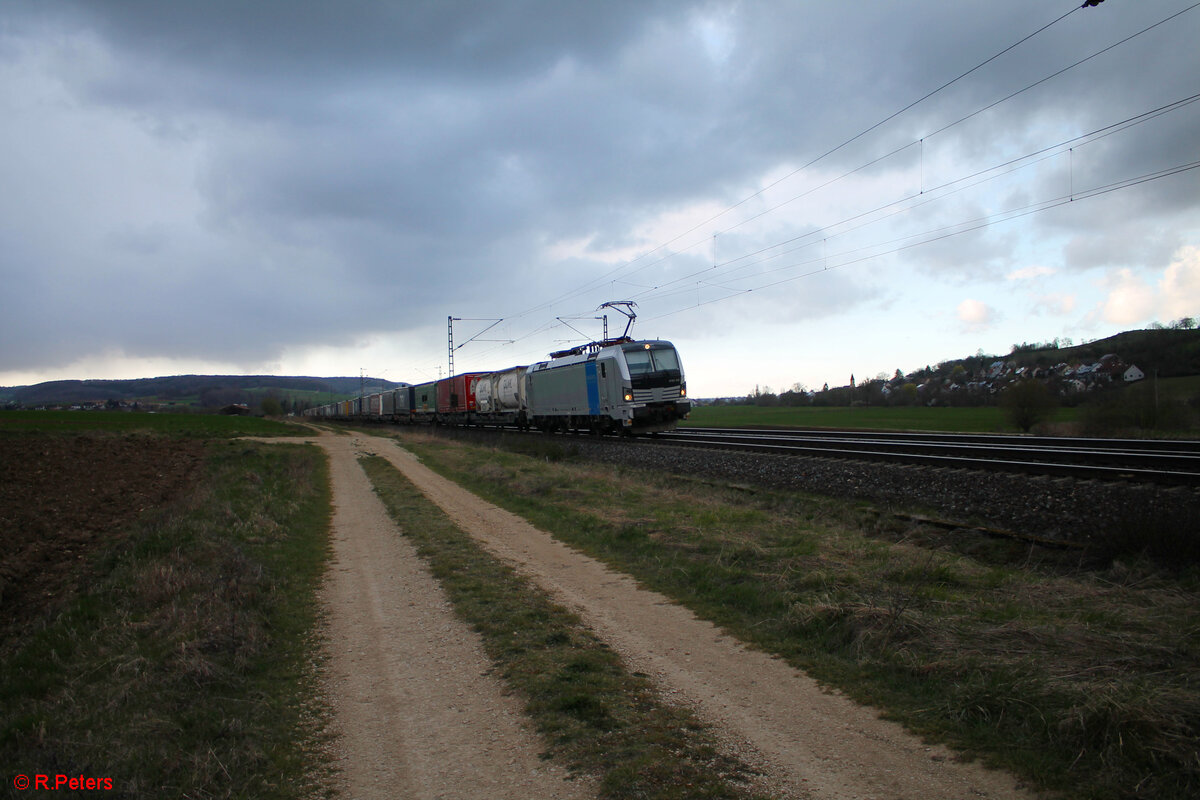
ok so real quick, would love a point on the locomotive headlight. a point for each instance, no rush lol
(683, 390)
(629, 397)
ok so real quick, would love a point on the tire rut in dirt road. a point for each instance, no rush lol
(417, 715)
(812, 743)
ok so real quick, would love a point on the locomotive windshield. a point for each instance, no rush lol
(652, 366)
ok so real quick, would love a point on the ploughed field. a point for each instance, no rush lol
(157, 602)
(64, 497)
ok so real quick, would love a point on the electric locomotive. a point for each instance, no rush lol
(618, 385)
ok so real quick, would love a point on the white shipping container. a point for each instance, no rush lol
(509, 389)
(483, 395)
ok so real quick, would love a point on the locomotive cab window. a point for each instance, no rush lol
(652, 366)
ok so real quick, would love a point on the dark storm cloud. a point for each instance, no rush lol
(360, 160)
(344, 43)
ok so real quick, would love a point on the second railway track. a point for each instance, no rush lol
(1151, 461)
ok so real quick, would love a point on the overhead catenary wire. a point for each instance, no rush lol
(599, 281)
(913, 201)
(914, 142)
(911, 241)
(634, 266)
(926, 195)
(1054, 75)
(950, 231)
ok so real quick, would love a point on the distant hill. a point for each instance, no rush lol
(1170, 352)
(199, 391)
(1072, 370)
(1167, 352)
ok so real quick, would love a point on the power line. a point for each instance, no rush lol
(1061, 71)
(936, 193)
(947, 232)
(599, 281)
(611, 276)
(895, 151)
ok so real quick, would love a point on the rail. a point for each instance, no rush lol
(1145, 460)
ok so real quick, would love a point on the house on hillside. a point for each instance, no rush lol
(1133, 374)
(1109, 367)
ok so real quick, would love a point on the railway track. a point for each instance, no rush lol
(1081, 490)
(1150, 461)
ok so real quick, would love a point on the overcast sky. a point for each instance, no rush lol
(314, 187)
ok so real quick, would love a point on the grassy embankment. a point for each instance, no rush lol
(1079, 678)
(183, 664)
(593, 714)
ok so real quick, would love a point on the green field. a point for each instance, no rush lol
(988, 419)
(1166, 405)
(201, 425)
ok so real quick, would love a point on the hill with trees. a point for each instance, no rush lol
(198, 392)
(1072, 372)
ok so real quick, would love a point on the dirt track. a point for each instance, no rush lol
(421, 717)
(418, 713)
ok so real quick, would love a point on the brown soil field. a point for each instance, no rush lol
(62, 497)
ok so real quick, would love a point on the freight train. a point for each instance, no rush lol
(612, 386)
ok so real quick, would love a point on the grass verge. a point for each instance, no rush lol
(1082, 680)
(183, 667)
(594, 715)
(197, 425)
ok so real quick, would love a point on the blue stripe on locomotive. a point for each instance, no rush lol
(593, 388)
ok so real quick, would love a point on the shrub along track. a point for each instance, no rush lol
(414, 708)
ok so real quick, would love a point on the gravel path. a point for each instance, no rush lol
(418, 714)
(810, 743)
(417, 711)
